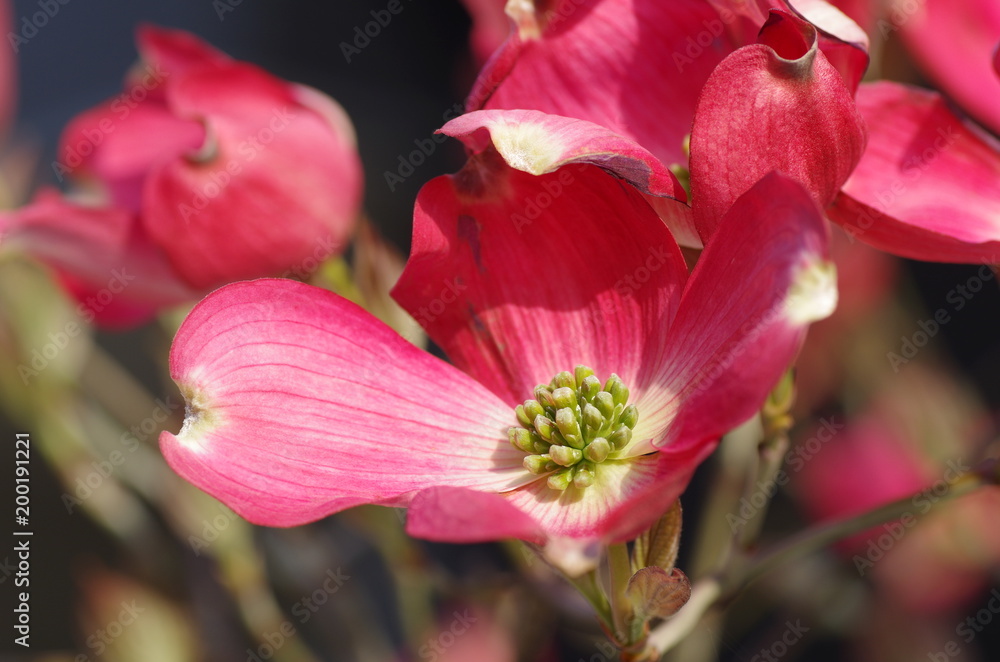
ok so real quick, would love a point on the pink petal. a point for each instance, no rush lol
(841, 40)
(742, 319)
(274, 166)
(463, 515)
(175, 51)
(928, 186)
(301, 404)
(634, 67)
(954, 42)
(102, 256)
(627, 497)
(8, 70)
(490, 26)
(520, 277)
(120, 140)
(538, 143)
(777, 105)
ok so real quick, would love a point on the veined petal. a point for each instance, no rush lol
(633, 66)
(519, 277)
(928, 186)
(300, 404)
(743, 316)
(270, 154)
(538, 143)
(777, 105)
(954, 42)
(626, 498)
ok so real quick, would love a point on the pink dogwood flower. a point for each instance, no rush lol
(590, 373)
(783, 103)
(203, 171)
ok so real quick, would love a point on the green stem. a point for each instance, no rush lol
(726, 583)
(587, 585)
(621, 608)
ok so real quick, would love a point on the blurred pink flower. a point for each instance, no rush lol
(203, 171)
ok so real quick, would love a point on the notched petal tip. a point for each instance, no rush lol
(813, 294)
(199, 419)
(793, 41)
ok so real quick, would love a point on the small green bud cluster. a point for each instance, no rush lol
(572, 425)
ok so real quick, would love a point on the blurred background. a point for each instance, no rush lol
(130, 563)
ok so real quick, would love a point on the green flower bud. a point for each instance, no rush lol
(560, 480)
(536, 464)
(564, 397)
(521, 439)
(569, 427)
(564, 379)
(544, 395)
(592, 417)
(522, 416)
(544, 427)
(605, 403)
(598, 450)
(617, 389)
(620, 438)
(565, 456)
(590, 387)
(630, 416)
(533, 408)
(581, 372)
(583, 475)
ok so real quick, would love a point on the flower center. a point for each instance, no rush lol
(572, 425)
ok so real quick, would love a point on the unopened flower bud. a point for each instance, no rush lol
(581, 372)
(620, 438)
(560, 480)
(592, 417)
(590, 387)
(569, 427)
(597, 450)
(565, 456)
(564, 379)
(583, 475)
(630, 416)
(564, 397)
(536, 464)
(544, 427)
(521, 439)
